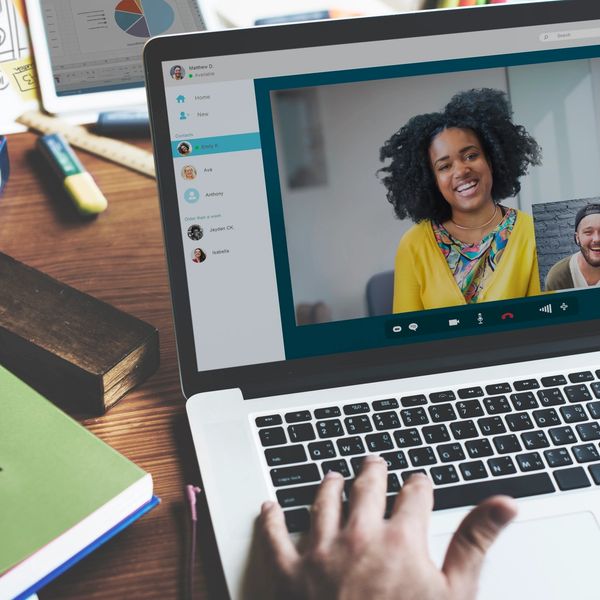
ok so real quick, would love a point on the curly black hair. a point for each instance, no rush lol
(409, 178)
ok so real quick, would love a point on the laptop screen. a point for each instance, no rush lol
(355, 196)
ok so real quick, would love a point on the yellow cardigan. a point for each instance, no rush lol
(423, 280)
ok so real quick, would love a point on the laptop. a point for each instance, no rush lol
(296, 353)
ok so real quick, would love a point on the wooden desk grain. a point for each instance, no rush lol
(119, 257)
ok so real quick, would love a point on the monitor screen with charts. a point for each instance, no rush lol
(384, 194)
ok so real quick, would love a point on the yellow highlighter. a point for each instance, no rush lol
(80, 185)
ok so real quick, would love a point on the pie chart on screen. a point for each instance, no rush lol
(144, 18)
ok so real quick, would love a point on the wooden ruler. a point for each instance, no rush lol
(119, 152)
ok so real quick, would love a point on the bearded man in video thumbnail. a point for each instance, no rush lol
(582, 269)
(448, 172)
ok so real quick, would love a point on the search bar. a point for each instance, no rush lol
(565, 36)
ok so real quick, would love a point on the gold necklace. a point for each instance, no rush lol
(479, 226)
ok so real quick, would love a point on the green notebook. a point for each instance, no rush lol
(61, 487)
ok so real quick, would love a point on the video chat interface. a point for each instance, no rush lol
(277, 170)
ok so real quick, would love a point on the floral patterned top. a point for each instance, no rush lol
(473, 264)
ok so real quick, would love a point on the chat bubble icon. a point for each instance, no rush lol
(413, 326)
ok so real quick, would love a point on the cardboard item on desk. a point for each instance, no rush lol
(78, 351)
(62, 490)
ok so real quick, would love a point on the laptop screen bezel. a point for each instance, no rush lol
(357, 367)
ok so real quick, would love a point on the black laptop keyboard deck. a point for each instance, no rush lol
(525, 438)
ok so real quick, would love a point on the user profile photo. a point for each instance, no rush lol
(177, 72)
(184, 148)
(198, 255)
(191, 195)
(189, 172)
(195, 232)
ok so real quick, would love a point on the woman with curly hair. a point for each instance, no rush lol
(448, 173)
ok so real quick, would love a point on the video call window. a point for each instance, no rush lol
(439, 190)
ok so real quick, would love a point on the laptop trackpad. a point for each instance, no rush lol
(551, 558)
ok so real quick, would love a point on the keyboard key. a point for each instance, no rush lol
(295, 475)
(594, 408)
(378, 442)
(327, 413)
(462, 430)
(351, 445)
(559, 457)
(562, 435)
(268, 420)
(498, 388)
(356, 464)
(526, 384)
(445, 396)
(585, 453)
(588, 431)
(387, 404)
(505, 444)
(297, 520)
(450, 452)
(491, 426)
(479, 448)
(531, 461)
(329, 429)
(578, 393)
(386, 420)
(414, 416)
(406, 475)
(554, 380)
(595, 473)
(421, 456)
(519, 422)
(285, 455)
(551, 397)
(473, 470)
(356, 408)
(581, 377)
(596, 388)
(442, 412)
(417, 400)
(470, 494)
(503, 465)
(470, 392)
(524, 401)
(533, 440)
(395, 460)
(302, 432)
(573, 414)
(444, 475)
(360, 424)
(274, 436)
(571, 479)
(435, 434)
(297, 496)
(497, 405)
(407, 437)
(339, 466)
(546, 417)
(470, 409)
(298, 416)
(321, 450)
(393, 484)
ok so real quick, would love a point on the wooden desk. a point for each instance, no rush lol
(119, 258)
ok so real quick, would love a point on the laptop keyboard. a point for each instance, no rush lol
(524, 438)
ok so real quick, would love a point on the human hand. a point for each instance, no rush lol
(369, 557)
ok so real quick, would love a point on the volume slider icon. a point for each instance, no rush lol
(546, 309)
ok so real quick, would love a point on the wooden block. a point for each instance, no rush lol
(81, 353)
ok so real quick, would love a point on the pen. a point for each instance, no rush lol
(78, 183)
(4, 165)
(191, 493)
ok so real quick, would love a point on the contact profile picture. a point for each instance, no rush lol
(189, 172)
(195, 232)
(198, 255)
(184, 148)
(177, 72)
